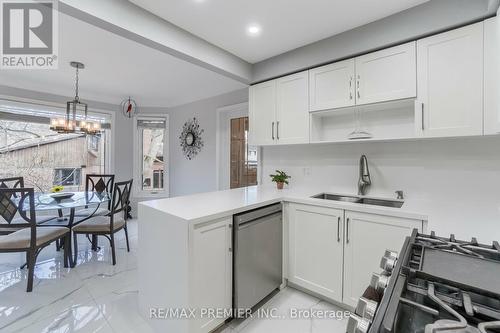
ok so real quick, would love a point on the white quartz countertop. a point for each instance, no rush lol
(211, 205)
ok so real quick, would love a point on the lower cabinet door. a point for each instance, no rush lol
(316, 249)
(211, 274)
(367, 236)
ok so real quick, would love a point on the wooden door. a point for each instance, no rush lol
(243, 166)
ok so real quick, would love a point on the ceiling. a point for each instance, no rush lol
(116, 67)
(285, 24)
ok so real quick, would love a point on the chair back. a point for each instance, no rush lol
(12, 182)
(22, 201)
(100, 183)
(121, 199)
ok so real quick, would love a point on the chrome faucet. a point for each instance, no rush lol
(364, 175)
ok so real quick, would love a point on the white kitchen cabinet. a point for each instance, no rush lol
(450, 83)
(386, 75)
(491, 76)
(367, 236)
(292, 118)
(212, 271)
(332, 86)
(316, 249)
(262, 113)
(279, 111)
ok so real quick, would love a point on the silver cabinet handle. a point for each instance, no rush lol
(347, 230)
(357, 89)
(423, 126)
(272, 130)
(338, 230)
(350, 88)
(277, 130)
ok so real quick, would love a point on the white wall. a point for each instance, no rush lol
(198, 174)
(456, 180)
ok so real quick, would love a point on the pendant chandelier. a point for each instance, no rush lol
(73, 123)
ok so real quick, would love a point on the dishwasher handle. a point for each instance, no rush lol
(256, 214)
(266, 218)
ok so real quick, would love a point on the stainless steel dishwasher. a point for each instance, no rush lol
(258, 255)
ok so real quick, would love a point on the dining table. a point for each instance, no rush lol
(67, 204)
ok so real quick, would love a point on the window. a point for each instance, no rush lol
(151, 162)
(67, 176)
(45, 158)
(93, 142)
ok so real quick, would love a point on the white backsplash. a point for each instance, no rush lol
(458, 179)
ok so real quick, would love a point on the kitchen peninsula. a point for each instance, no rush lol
(186, 259)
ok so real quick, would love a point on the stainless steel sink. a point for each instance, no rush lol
(381, 202)
(336, 197)
(360, 200)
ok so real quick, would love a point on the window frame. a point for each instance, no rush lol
(79, 178)
(137, 156)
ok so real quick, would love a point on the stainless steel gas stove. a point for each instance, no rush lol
(436, 285)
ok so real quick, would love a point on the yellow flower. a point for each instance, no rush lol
(57, 189)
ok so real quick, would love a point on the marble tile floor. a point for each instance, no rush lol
(96, 296)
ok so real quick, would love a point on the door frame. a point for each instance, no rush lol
(223, 139)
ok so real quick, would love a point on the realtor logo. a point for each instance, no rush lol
(29, 34)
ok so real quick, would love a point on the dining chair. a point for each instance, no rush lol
(12, 182)
(18, 182)
(29, 238)
(99, 184)
(110, 224)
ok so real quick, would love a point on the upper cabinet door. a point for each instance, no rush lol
(262, 113)
(332, 86)
(491, 76)
(450, 83)
(292, 121)
(386, 75)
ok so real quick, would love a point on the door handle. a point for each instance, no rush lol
(338, 230)
(347, 230)
(272, 130)
(357, 89)
(277, 130)
(423, 126)
(350, 88)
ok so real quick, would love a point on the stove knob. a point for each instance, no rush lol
(388, 263)
(366, 308)
(391, 254)
(379, 282)
(356, 324)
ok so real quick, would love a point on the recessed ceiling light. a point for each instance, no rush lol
(253, 30)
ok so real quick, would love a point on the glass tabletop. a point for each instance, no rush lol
(65, 200)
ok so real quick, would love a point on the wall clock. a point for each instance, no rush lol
(190, 138)
(129, 107)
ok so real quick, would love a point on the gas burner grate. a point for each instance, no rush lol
(451, 244)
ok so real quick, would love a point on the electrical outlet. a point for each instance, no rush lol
(306, 171)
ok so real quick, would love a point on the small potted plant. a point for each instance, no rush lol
(280, 178)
